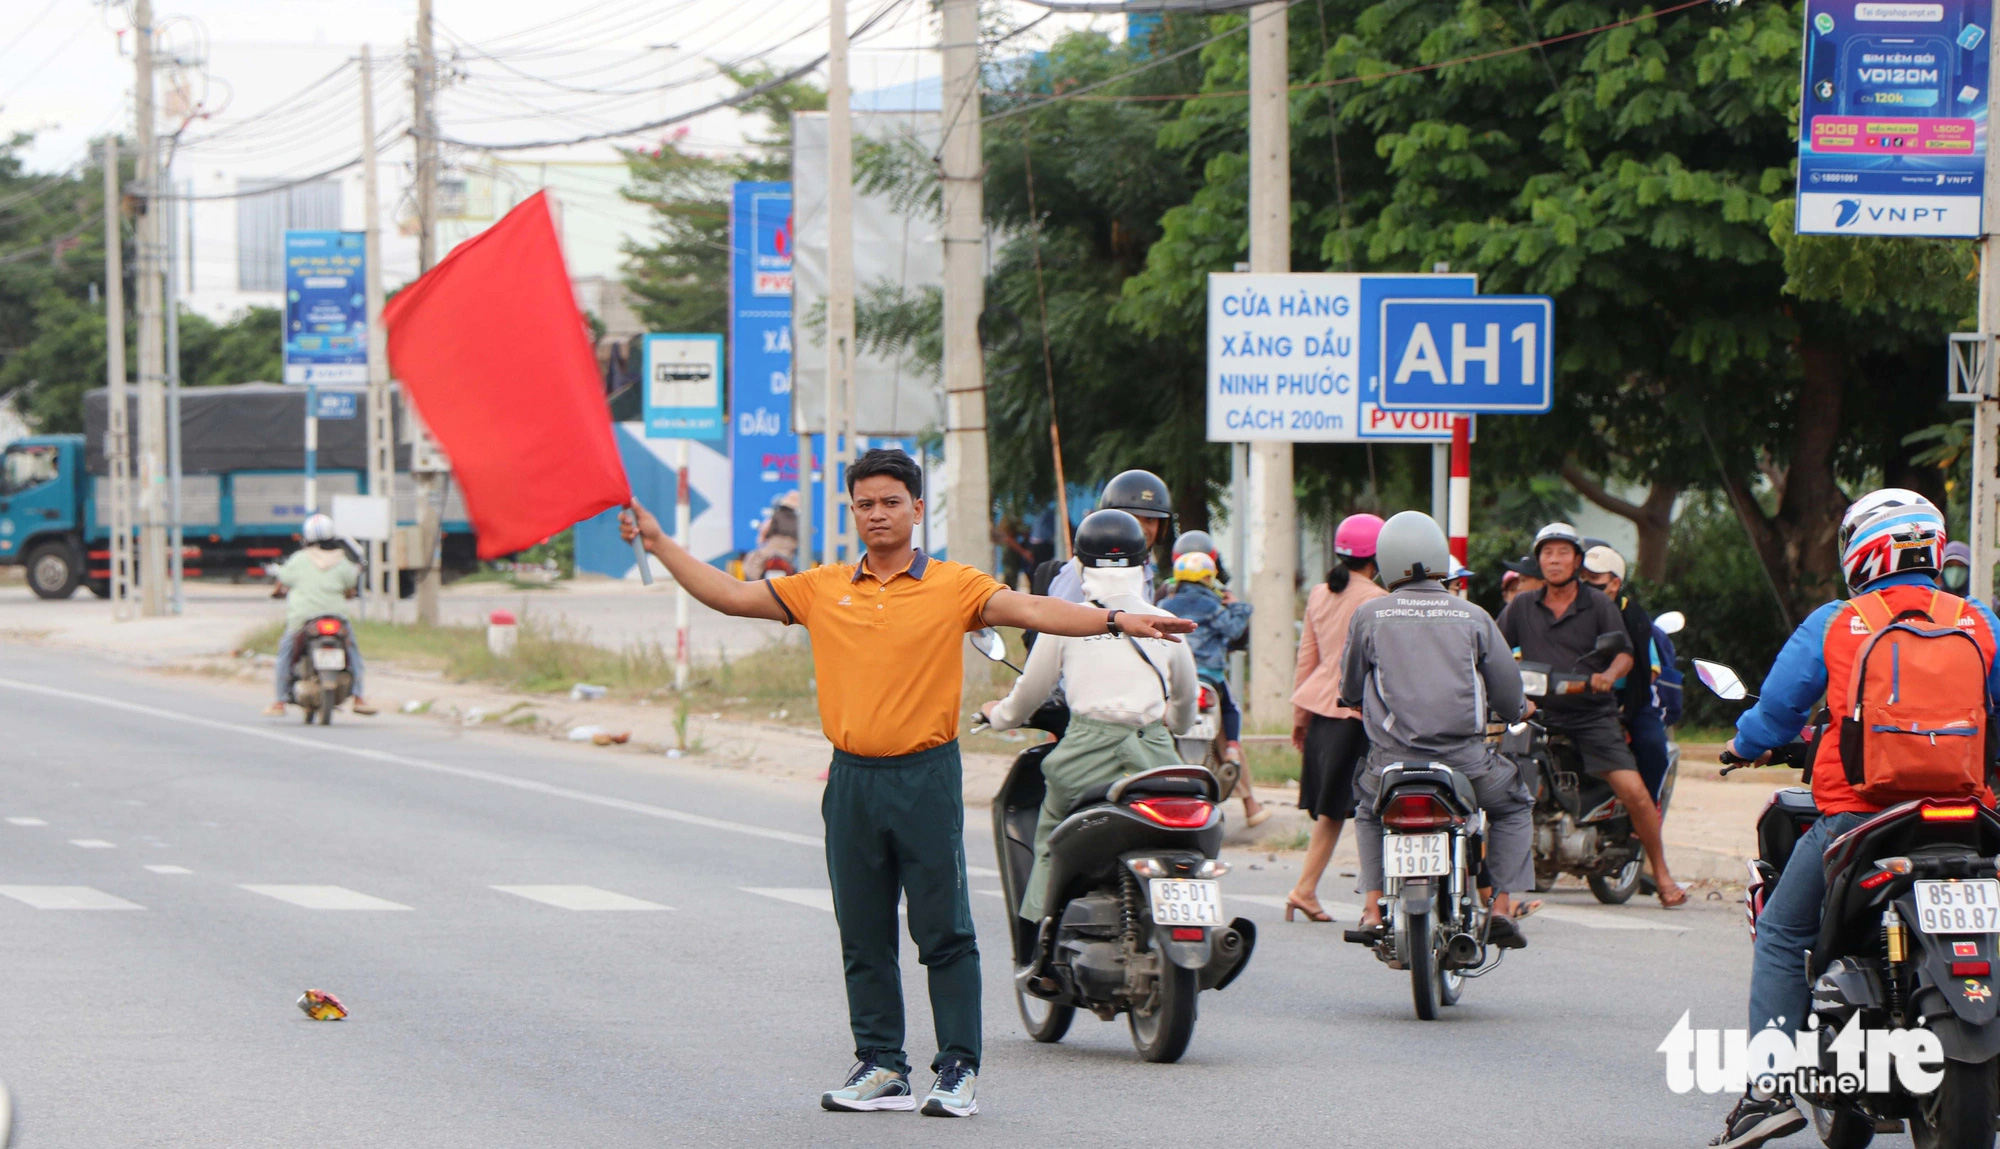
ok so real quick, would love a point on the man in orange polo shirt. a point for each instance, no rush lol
(887, 655)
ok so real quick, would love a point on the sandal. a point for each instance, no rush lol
(1526, 909)
(1673, 897)
(1312, 915)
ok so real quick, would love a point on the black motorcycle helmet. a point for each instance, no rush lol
(1140, 493)
(1110, 538)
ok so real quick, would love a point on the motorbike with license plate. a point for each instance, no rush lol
(1581, 827)
(1133, 918)
(1909, 932)
(321, 678)
(1434, 923)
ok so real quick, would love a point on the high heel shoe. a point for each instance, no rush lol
(1312, 915)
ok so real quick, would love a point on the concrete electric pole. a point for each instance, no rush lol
(117, 409)
(152, 352)
(961, 173)
(1986, 411)
(1273, 545)
(839, 277)
(430, 523)
(382, 581)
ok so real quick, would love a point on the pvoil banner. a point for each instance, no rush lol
(763, 448)
(1892, 129)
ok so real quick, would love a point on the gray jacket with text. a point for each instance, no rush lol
(1425, 667)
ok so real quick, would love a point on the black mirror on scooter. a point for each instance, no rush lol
(1614, 643)
(1724, 682)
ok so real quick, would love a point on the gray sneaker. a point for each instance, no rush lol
(956, 1093)
(870, 1087)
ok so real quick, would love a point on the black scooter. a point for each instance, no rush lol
(1909, 932)
(1134, 921)
(321, 678)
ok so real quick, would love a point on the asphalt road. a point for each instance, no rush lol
(174, 872)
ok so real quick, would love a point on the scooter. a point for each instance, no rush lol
(321, 679)
(1909, 932)
(1134, 919)
(1203, 743)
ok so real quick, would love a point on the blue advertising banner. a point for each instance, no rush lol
(763, 448)
(326, 308)
(684, 386)
(1892, 131)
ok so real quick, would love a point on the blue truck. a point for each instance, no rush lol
(242, 490)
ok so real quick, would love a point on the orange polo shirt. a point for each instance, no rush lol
(887, 654)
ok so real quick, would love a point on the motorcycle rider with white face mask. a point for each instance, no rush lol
(1127, 696)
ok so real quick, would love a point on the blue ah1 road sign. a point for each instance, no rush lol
(1487, 353)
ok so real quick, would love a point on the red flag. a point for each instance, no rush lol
(490, 346)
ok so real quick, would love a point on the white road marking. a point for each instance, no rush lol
(981, 872)
(1601, 919)
(580, 898)
(170, 869)
(66, 898)
(1337, 909)
(991, 893)
(528, 784)
(807, 896)
(92, 844)
(325, 897)
(26, 822)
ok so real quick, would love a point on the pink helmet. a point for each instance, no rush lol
(1355, 537)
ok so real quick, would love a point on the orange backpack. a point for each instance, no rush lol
(1917, 725)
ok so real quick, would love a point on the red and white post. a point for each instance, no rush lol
(1460, 515)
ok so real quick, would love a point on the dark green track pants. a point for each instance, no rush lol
(896, 826)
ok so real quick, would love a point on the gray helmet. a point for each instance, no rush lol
(1193, 541)
(1558, 533)
(1411, 547)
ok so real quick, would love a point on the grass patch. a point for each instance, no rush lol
(550, 659)
(1716, 734)
(1271, 763)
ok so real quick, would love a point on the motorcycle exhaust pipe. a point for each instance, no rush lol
(1227, 942)
(1462, 949)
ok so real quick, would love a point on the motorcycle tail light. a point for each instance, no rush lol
(1194, 933)
(1964, 968)
(1207, 699)
(1949, 813)
(1175, 813)
(1876, 879)
(1417, 812)
(329, 626)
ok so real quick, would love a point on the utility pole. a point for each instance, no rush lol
(1273, 516)
(961, 174)
(839, 277)
(381, 415)
(176, 599)
(429, 514)
(117, 413)
(1986, 412)
(152, 355)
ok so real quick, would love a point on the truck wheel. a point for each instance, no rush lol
(101, 587)
(53, 571)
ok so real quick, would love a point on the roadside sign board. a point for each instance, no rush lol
(684, 387)
(326, 308)
(1487, 353)
(334, 405)
(763, 448)
(1291, 357)
(1892, 115)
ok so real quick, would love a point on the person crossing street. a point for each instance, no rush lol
(887, 634)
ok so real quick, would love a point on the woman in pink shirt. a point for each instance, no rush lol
(1329, 737)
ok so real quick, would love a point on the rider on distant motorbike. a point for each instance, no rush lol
(1127, 696)
(1223, 621)
(1424, 668)
(1604, 569)
(1145, 497)
(1560, 625)
(1892, 541)
(316, 582)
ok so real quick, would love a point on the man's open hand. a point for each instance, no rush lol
(1153, 625)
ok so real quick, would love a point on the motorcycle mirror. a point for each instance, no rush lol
(1720, 679)
(988, 642)
(1616, 642)
(1671, 622)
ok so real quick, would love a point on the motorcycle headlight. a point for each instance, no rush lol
(1535, 683)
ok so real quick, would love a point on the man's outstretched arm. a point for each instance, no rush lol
(1057, 616)
(712, 588)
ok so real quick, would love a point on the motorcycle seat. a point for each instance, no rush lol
(1160, 782)
(1437, 773)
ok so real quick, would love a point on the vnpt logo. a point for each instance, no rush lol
(1850, 209)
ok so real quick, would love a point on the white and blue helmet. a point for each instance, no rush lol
(1887, 532)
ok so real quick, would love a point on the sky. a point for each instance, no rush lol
(66, 70)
